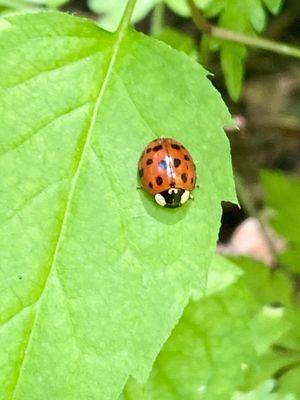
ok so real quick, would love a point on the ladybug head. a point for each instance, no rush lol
(172, 197)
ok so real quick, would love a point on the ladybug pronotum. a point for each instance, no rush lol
(167, 171)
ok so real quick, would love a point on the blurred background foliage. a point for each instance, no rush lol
(243, 339)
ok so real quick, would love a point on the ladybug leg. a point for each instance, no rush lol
(191, 197)
(139, 188)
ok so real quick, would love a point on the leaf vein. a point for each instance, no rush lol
(33, 132)
(46, 71)
(29, 201)
(76, 175)
(133, 102)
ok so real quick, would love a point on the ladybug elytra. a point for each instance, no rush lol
(167, 171)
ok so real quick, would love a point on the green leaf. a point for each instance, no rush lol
(178, 41)
(232, 62)
(112, 11)
(268, 326)
(49, 3)
(179, 7)
(94, 274)
(244, 16)
(265, 391)
(274, 6)
(255, 12)
(222, 274)
(275, 290)
(289, 383)
(282, 197)
(232, 54)
(216, 349)
(210, 7)
(267, 287)
(27, 5)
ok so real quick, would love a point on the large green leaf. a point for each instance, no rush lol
(94, 274)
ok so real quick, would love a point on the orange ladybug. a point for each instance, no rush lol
(167, 171)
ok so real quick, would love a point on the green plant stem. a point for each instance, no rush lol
(126, 18)
(157, 19)
(231, 36)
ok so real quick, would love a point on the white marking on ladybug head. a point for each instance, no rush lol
(173, 190)
(160, 199)
(185, 196)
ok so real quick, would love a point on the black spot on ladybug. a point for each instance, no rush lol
(150, 185)
(141, 172)
(148, 150)
(162, 164)
(192, 180)
(184, 177)
(159, 180)
(149, 161)
(187, 158)
(177, 162)
(175, 146)
(158, 147)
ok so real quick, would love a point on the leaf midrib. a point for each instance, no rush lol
(119, 37)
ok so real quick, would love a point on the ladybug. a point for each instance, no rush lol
(167, 171)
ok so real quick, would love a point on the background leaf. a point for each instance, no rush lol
(282, 197)
(94, 274)
(232, 62)
(27, 5)
(265, 391)
(274, 6)
(282, 360)
(219, 340)
(178, 41)
(112, 11)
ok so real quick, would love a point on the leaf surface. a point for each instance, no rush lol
(94, 275)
